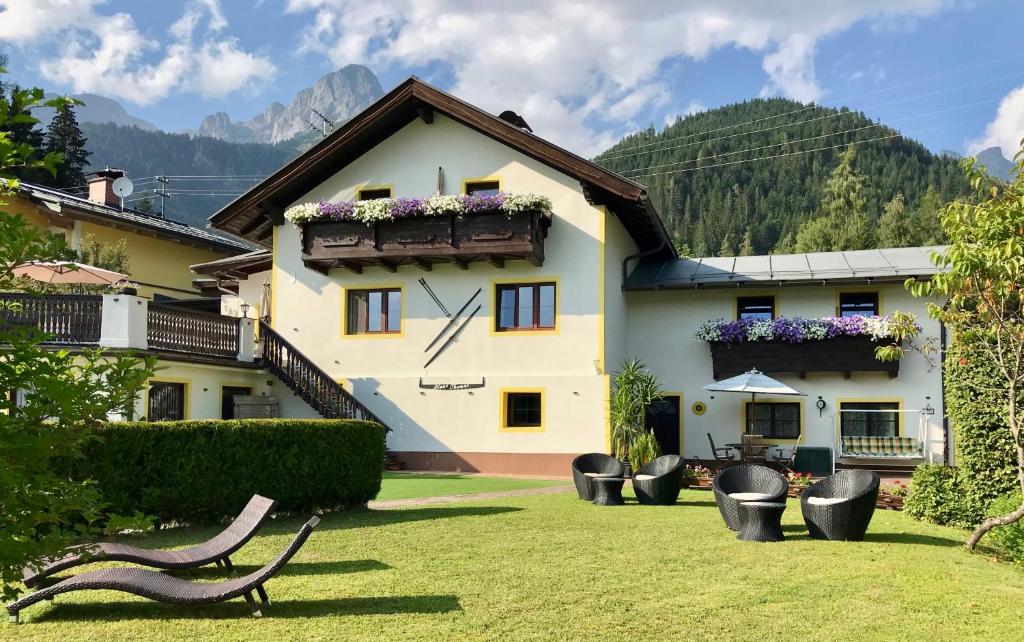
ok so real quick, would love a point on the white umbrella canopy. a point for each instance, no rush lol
(754, 382)
(68, 272)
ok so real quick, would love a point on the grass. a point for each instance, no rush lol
(555, 568)
(409, 486)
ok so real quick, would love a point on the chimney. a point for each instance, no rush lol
(101, 187)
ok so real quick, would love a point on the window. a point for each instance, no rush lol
(373, 192)
(523, 409)
(166, 401)
(869, 418)
(374, 311)
(483, 188)
(755, 307)
(863, 304)
(525, 306)
(227, 399)
(775, 420)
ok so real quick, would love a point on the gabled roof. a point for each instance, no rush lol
(145, 222)
(235, 267)
(895, 264)
(253, 214)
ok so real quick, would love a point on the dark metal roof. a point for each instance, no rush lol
(153, 223)
(894, 264)
(254, 214)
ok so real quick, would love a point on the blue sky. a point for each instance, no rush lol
(949, 73)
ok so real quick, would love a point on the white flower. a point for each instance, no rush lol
(816, 329)
(526, 202)
(443, 205)
(760, 331)
(709, 331)
(302, 213)
(877, 327)
(373, 210)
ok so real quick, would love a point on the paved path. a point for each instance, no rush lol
(469, 497)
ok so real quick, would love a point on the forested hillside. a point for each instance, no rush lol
(155, 153)
(713, 203)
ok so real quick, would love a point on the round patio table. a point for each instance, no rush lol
(761, 521)
(608, 491)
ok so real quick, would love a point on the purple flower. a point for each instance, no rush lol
(848, 326)
(788, 330)
(483, 202)
(735, 331)
(340, 210)
(406, 207)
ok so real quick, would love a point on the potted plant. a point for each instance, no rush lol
(634, 388)
(701, 475)
(892, 495)
(797, 482)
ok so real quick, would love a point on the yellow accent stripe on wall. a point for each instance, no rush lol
(273, 279)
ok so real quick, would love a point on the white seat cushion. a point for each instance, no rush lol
(824, 501)
(642, 477)
(598, 475)
(750, 497)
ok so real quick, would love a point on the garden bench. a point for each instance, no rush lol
(881, 448)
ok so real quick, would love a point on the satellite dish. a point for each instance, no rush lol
(123, 187)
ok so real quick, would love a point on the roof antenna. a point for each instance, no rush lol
(325, 122)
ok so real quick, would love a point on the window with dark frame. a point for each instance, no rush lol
(523, 409)
(858, 304)
(869, 419)
(483, 188)
(773, 419)
(376, 192)
(166, 401)
(755, 307)
(525, 306)
(374, 311)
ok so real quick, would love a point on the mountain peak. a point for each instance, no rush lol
(997, 165)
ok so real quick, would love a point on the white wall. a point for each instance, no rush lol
(661, 326)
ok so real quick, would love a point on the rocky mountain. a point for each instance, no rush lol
(97, 109)
(995, 163)
(338, 95)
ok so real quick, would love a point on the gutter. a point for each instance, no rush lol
(639, 256)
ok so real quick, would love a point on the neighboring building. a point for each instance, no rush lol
(549, 311)
(160, 249)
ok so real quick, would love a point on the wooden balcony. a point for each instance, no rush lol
(492, 237)
(840, 354)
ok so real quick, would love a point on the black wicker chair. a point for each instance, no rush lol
(840, 506)
(746, 483)
(594, 465)
(659, 481)
(170, 589)
(215, 550)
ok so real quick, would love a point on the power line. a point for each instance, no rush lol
(843, 100)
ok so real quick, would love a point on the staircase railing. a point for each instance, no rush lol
(192, 331)
(308, 381)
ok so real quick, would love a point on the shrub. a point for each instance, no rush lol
(1009, 538)
(937, 495)
(208, 469)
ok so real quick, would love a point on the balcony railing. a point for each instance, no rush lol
(68, 319)
(172, 328)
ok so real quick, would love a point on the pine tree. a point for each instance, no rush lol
(728, 247)
(926, 219)
(747, 246)
(844, 190)
(24, 132)
(144, 204)
(65, 137)
(895, 228)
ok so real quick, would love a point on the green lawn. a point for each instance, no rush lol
(555, 568)
(408, 486)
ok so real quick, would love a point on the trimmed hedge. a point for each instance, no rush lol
(937, 495)
(205, 470)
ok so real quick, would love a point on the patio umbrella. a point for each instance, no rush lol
(754, 382)
(68, 272)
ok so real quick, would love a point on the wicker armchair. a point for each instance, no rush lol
(840, 506)
(591, 465)
(746, 483)
(659, 481)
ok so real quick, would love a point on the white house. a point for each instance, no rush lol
(487, 341)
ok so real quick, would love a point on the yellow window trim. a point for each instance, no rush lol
(375, 335)
(750, 294)
(493, 316)
(776, 399)
(186, 411)
(482, 179)
(682, 419)
(503, 407)
(232, 384)
(896, 400)
(853, 289)
(368, 187)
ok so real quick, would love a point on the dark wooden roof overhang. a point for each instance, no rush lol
(254, 214)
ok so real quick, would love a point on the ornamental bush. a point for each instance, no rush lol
(1009, 538)
(204, 470)
(936, 495)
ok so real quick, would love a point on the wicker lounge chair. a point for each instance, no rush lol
(840, 506)
(215, 550)
(166, 588)
(746, 483)
(659, 481)
(591, 465)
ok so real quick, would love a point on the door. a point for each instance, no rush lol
(663, 416)
(227, 399)
(166, 401)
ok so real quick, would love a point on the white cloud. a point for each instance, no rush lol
(694, 107)
(592, 68)
(106, 53)
(1006, 129)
